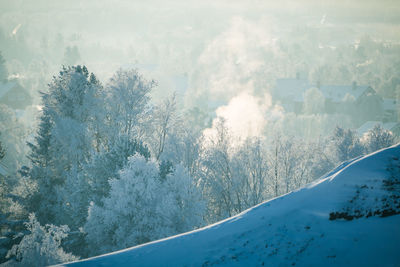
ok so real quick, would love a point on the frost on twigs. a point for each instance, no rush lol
(42, 246)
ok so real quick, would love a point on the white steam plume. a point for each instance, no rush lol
(245, 116)
(231, 70)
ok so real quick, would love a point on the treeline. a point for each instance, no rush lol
(109, 169)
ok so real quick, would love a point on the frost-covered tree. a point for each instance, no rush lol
(76, 134)
(251, 172)
(142, 207)
(106, 165)
(292, 162)
(323, 160)
(127, 112)
(182, 143)
(67, 134)
(234, 175)
(42, 246)
(217, 175)
(128, 106)
(188, 202)
(345, 144)
(132, 213)
(274, 161)
(164, 121)
(41, 171)
(378, 138)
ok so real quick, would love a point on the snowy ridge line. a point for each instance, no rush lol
(300, 220)
(216, 224)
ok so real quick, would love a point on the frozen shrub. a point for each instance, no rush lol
(42, 246)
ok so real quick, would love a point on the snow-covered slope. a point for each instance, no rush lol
(350, 217)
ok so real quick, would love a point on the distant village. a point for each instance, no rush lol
(360, 102)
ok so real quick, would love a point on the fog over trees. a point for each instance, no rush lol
(126, 122)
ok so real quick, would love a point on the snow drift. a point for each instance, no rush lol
(349, 217)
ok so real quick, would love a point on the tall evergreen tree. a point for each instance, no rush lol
(68, 132)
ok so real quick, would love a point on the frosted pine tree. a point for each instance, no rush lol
(67, 135)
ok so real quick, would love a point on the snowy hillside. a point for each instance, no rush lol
(350, 217)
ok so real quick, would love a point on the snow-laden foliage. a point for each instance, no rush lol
(165, 121)
(142, 207)
(183, 138)
(127, 110)
(378, 138)
(236, 177)
(349, 218)
(345, 144)
(68, 132)
(187, 200)
(106, 164)
(216, 175)
(42, 246)
(294, 163)
(128, 105)
(85, 128)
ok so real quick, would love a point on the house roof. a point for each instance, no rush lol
(338, 92)
(294, 89)
(6, 87)
(371, 124)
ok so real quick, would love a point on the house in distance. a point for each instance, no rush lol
(14, 95)
(359, 101)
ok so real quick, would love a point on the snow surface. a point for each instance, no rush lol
(294, 229)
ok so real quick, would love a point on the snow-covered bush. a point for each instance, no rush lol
(142, 207)
(378, 138)
(42, 246)
(345, 144)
